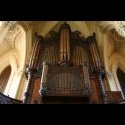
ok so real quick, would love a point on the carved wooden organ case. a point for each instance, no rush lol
(65, 65)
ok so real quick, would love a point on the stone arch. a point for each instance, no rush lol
(15, 56)
(27, 45)
(7, 60)
(110, 58)
(4, 77)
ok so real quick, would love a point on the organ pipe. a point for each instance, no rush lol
(37, 56)
(44, 78)
(64, 44)
(34, 54)
(92, 56)
(34, 45)
(61, 46)
(97, 54)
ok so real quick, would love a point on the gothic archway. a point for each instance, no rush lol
(4, 77)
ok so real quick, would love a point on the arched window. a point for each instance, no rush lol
(4, 77)
(121, 78)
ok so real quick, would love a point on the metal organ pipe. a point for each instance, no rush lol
(37, 56)
(49, 55)
(64, 44)
(32, 53)
(92, 52)
(68, 45)
(53, 59)
(44, 77)
(79, 55)
(97, 55)
(76, 55)
(61, 46)
(67, 49)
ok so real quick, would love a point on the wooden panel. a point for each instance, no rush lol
(114, 96)
(8, 100)
(64, 81)
(65, 100)
(95, 91)
(35, 95)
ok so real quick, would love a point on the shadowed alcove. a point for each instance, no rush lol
(4, 77)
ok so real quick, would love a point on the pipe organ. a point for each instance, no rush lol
(68, 67)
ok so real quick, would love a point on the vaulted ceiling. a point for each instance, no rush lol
(43, 27)
(115, 28)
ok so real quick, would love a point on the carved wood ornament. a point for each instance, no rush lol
(68, 65)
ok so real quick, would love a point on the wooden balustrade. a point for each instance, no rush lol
(8, 100)
(66, 81)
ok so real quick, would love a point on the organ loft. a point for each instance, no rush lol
(65, 68)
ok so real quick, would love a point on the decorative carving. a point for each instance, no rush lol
(68, 62)
(27, 96)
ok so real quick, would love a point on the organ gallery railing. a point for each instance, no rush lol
(8, 100)
(63, 81)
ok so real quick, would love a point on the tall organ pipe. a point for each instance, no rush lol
(61, 46)
(43, 79)
(34, 54)
(65, 43)
(37, 56)
(30, 63)
(68, 45)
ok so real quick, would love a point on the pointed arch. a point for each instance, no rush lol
(4, 77)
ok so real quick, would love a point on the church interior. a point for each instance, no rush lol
(62, 62)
